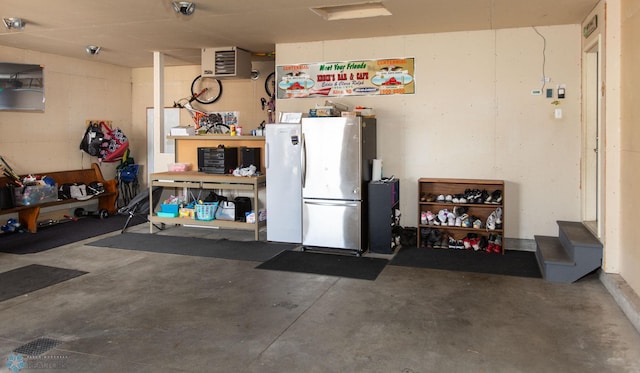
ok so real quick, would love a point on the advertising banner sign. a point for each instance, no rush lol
(390, 76)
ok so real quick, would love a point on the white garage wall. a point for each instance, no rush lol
(75, 91)
(473, 115)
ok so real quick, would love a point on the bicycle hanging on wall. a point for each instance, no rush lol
(212, 86)
(270, 104)
(204, 90)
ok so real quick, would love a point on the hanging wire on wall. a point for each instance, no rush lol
(544, 58)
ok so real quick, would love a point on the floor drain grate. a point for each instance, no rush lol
(37, 346)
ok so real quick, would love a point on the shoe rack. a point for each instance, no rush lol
(475, 200)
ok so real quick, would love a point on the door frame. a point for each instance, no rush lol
(593, 154)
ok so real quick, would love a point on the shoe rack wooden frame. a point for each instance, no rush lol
(437, 186)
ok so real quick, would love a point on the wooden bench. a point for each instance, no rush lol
(28, 215)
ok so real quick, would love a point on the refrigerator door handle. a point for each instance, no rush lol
(303, 161)
(348, 204)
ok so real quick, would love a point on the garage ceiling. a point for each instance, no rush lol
(129, 31)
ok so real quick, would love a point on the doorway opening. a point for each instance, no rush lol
(592, 152)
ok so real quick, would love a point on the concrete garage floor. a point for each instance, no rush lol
(147, 312)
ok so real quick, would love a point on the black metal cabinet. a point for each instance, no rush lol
(384, 200)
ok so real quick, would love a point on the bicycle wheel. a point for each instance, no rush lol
(270, 84)
(212, 87)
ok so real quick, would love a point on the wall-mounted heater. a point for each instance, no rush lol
(226, 62)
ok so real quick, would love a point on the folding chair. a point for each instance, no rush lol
(140, 205)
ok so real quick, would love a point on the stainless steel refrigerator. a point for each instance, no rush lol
(337, 153)
(284, 185)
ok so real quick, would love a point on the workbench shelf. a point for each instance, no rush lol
(200, 180)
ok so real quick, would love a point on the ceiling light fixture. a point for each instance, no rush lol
(184, 7)
(352, 11)
(13, 23)
(93, 49)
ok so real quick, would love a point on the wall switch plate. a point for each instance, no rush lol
(557, 113)
(549, 92)
(536, 92)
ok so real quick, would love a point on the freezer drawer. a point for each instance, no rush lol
(332, 224)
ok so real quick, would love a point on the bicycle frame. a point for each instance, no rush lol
(209, 121)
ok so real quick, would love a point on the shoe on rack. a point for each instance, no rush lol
(469, 195)
(423, 197)
(492, 242)
(466, 221)
(430, 217)
(458, 222)
(460, 210)
(483, 243)
(459, 245)
(475, 244)
(498, 244)
(434, 238)
(498, 218)
(452, 243)
(448, 198)
(424, 237)
(477, 195)
(491, 221)
(431, 197)
(440, 198)
(442, 216)
(451, 219)
(466, 243)
(494, 196)
(489, 199)
(477, 224)
(483, 196)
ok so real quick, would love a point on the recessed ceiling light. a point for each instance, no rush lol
(352, 11)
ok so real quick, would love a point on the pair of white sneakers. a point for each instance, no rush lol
(443, 218)
(494, 221)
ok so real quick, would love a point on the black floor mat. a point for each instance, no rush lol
(512, 263)
(33, 277)
(62, 234)
(363, 268)
(257, 251)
